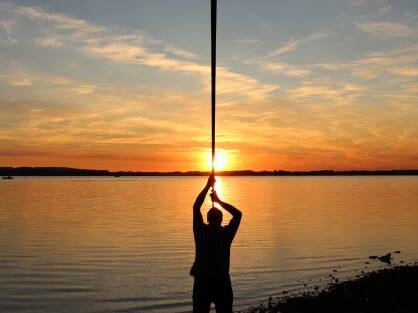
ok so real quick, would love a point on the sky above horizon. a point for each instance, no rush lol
(125, 85)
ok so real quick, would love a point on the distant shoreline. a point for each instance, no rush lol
(65, 171)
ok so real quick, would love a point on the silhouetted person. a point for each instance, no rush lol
(213, 243)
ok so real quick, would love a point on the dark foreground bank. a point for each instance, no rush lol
(389, 290)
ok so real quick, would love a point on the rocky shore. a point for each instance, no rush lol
(392, 290)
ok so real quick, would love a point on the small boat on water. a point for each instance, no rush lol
(7, 177)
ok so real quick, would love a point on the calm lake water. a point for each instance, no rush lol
(126, 245)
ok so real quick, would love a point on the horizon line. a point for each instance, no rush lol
(70, 171)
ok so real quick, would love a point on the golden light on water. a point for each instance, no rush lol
(219, 187)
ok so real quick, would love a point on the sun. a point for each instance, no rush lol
(221, 160)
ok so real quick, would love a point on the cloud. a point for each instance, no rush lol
(297, 72)
(292, 43)
(284, 68)
(112, 123)
(399, 62)
(115, 129)
(316, 133)
(411, 88)
(63, 87)
(323, 123)
(315, 36)
(385, 29)
(324, 90)
(231, 83)
(16, 79)
(59, 21)
(7, 25)
(19, 81)
(405, 71)
(181, 53)
(50, 42)
(284, 48)
(121, 46)
(383, 65)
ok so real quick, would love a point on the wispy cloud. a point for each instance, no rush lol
(411, 88)
(324, 90)
(16, 79)
(181, 53)
(284, 68)
(7, 25)
(385, 29)
(292, 44)
(391, 64)
(134, 48)
(110, 124)
(59, 21)
(49, 41)
(63, 87)
(405, 71)
(284, 48)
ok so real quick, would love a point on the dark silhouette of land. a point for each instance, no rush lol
(67, 171)
(385, 291)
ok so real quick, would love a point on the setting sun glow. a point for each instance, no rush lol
(221, 160)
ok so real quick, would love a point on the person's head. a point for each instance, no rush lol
(214, 217)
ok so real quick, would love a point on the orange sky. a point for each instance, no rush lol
(338, 91)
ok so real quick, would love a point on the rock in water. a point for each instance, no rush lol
(386, 258)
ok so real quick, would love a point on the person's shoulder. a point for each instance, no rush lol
(202, 225)
(225, 228)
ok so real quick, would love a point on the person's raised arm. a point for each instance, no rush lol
(197, 215)
(228, 207)
(236, 214)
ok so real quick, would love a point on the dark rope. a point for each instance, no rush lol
(214, 6)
